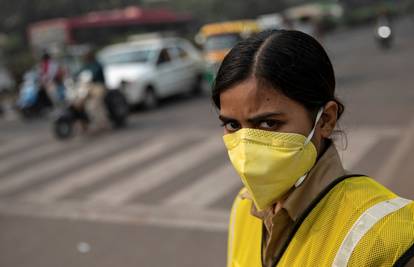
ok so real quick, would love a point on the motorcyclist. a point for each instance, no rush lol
(384, 29)
(93, 108)
(48, 69)
(384, 18)
(94, 105)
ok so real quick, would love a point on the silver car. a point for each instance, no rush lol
(148, 70)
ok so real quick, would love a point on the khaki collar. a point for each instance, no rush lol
(326, 170)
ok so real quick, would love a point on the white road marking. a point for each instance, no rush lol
(109, 204)
(361, 141)
(401, 150)
(18, 160)
(37, 173)
(17, 144)
(207, 190)
(357, 147)
(206, 220)
(158, 174)
(101, 169)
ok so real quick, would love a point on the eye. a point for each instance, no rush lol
(231, 126)
(269, 124)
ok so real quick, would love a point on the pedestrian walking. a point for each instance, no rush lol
(276, 96)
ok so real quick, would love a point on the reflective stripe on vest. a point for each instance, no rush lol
(364, 223)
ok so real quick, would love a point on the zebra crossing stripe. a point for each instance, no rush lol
(194, 219)
(101, 169)
(16, 161)
(361, 141)
(33, 174)
(12, 146)
(157, 174)
(357, 148)
(401, 150)
(207, 190)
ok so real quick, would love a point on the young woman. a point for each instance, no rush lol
(299, 207)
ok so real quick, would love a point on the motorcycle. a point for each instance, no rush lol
(33, 100)
(384, 37)
(384, 33)
(84, 91)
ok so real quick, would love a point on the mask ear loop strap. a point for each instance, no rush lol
(310, 136)
(318, 117)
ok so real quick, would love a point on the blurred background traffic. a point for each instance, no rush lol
(110, 149)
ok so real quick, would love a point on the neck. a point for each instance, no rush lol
(324, 146)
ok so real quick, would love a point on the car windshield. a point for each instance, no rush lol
(138, 56)
(221, 42)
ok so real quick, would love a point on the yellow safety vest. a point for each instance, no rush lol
(355, 221)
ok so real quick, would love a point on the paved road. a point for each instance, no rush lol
(159, 192)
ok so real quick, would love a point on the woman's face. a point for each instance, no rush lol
(248, 106)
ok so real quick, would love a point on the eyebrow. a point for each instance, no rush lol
(263, 116)
(254, 119)
(225, 119)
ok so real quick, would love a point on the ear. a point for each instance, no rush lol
(328, 119)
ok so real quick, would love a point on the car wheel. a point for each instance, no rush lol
(150, 98)
(117, 107)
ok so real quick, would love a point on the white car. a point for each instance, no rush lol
(148, 70)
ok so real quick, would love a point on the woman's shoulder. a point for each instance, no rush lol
(361, 186)
(354, 193)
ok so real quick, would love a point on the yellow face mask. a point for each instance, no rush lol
(270, 163)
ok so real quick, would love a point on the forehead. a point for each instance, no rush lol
(247, 97)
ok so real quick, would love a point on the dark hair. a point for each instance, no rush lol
(290, 61)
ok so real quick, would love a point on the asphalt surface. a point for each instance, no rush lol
(159, 192)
